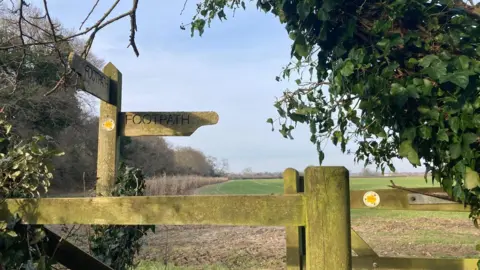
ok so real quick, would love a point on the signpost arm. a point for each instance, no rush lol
(108, 135)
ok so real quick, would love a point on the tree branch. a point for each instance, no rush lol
(89, 14)
(133, 27)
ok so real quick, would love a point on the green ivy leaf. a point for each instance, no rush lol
(459, 79)
(425, 132)
(426, 61)
(406, 150)
(464, 62)
(347, 69)
(301, 46)
(469, 138)
(455, 150)
(454, 123)
(442, 135)
(472, 179)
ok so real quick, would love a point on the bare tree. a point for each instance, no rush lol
(31, 27)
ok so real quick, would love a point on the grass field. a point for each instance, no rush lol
(390, 233)
(275, 186)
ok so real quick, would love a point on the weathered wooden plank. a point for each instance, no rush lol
(69, 255)
(164, 123)
(93, 80)
(414, 198)
(361, 247)
(293, 235)
(108, 137)
(328, 243)
(286, 210)
(368, 262)
(396, 199)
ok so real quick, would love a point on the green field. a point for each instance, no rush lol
(275, 186)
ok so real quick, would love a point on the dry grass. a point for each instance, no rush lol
(179, 185)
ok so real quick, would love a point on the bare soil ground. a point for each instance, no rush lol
(264, 247)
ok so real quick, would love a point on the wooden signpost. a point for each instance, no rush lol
(107, 86)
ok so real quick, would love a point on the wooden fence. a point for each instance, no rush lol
(297, 237)
(315, 209)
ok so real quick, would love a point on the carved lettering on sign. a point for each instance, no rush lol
(161, 119)
(93, 80)
(165, 123)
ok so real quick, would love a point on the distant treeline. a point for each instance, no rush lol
(263, 175)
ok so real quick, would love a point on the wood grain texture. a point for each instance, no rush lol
(108, 140)
(293, 234)
(396, 199)
(328, 243)
(164, 123)
(69, 255)
(361, 247)
(285, 210)
(92, 80)
(367, 262)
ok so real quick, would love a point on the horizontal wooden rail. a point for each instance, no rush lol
(396, 199)
(284, 210)
(367, 262)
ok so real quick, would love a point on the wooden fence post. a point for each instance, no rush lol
(108, 135)
(294, 236)
(327, 230)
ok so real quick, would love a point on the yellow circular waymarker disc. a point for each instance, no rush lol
(109, 124)
(371, 199)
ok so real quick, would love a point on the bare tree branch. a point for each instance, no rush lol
(89, 14)
(133, 27)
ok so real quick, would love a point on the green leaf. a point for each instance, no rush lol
(476, 120)
(469, 138)
(347, 69)
(455, 150)
(423, 109)
(442, 135)
(461, 80)
(454, 123)
(409, 134)
(321, 157)
(425, 132)
(427, 60)
(382, 134)
(406, 150)
(472, 179)
(464, 62)
(301, 47)
(270, 120)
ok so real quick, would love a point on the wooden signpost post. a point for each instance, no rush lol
(107, 86)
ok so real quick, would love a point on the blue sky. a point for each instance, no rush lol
(230, 70)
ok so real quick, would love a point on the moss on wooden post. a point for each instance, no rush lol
(328, 243)
(293, 235)
(108, 139)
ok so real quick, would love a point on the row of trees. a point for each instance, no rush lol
(28, 74)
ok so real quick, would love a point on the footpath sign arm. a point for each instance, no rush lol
(92, 80)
